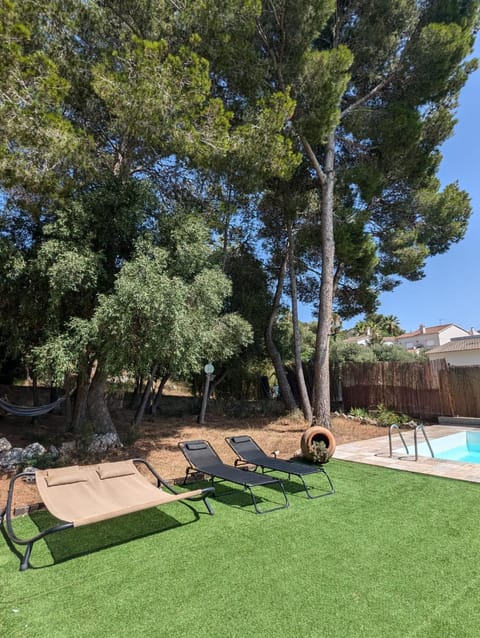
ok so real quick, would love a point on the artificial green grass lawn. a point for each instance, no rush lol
(390, 554)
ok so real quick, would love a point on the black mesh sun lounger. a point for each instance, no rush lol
(203, 458)
(250, 452)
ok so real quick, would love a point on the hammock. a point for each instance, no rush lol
(30, 410)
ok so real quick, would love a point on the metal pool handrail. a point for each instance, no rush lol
(421, 428)
(395, 426)
(418, 428)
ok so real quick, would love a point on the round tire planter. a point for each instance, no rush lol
(317, 433)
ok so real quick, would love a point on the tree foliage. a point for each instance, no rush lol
(343, 352)
(376, 84)
(138, 138)
(94, 244)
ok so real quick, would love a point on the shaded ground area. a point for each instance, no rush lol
(158, 437)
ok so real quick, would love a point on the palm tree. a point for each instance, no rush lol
(378, 326)
(391, 325)
(362, 327)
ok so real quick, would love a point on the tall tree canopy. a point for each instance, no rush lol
(129, 126)
(110, 118)
(375, 86)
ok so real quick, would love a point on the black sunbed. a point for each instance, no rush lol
(251, 453)
(203, 458)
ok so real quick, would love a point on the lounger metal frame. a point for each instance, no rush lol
(6, 513)
(260, 459)
(230, 474)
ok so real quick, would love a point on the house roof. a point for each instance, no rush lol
(357, 339)
(428, 330)
(361, 339)
(458, 344)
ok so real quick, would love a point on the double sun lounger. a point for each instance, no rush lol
(80, 495)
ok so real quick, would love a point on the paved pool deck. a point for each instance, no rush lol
(376, 452)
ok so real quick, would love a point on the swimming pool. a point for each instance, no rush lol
(462, 446)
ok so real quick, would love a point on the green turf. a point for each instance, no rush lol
(390, 554)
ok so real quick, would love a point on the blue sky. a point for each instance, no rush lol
(450, 290)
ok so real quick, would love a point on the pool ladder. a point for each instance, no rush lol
(416, 430)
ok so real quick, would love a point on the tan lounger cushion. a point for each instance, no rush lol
(114, 470)
(65, 476)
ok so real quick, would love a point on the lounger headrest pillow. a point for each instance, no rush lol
(196, 446)
(115, 469)
(241, 439)
(65, 476)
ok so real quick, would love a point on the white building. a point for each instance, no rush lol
(365, 339)
(460, 351)
(432, 336)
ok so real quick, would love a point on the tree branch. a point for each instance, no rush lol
(368, 96)
(272, 55)
(123, 18)
(408, 38)
(314, 160)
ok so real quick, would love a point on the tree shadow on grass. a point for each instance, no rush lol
(80, 541)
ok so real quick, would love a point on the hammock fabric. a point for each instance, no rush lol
(30, 410)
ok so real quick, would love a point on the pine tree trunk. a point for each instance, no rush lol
(285, 389)
(321, 371)
(297, 341)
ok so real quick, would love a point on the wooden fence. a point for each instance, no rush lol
(421, 390)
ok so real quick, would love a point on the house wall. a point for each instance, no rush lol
(420, 341)
(449, 333)
(431, 340)
(458, 358)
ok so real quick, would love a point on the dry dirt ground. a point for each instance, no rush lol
(158, 437)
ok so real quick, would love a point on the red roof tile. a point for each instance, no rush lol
(428, 330)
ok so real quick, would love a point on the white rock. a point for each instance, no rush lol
(32, 450)
(9, 459)
(103, 442)
(5, 444)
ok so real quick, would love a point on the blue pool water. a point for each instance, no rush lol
(463, 446)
